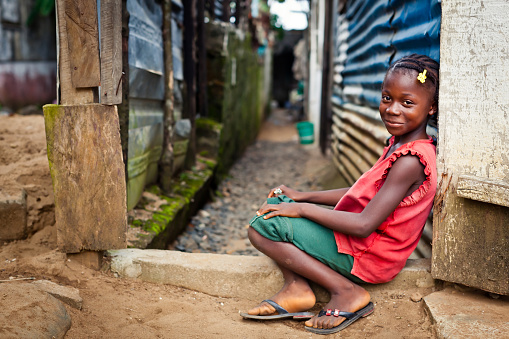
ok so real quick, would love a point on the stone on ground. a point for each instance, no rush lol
(468, 314)
(69, 295)
(28, 312)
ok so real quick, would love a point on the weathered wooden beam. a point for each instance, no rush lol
(123, 107)
(166, 161)
(202, 60)
(483, 189)
(325, 104)
(190, 75)
(83, 42)
(111, 52)
(69, 95)
(88, 176)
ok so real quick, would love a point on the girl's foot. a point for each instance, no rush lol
(347, 301)
(294, 297)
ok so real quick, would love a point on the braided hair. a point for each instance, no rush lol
(420, 63)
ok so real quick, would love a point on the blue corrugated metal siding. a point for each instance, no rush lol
(423, 35)
(369, 49)
(380, 32)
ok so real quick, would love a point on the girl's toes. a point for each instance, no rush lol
(311, 322)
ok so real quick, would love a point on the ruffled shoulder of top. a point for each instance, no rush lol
(406, 149)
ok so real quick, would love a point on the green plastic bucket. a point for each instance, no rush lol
(305, 129)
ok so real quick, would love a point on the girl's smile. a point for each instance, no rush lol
(405, 105)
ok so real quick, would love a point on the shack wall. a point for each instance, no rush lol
(27, 55)
(471, 235)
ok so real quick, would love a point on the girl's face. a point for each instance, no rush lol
(405, 105)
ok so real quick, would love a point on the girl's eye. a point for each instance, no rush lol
(386, 98)
(408, 102)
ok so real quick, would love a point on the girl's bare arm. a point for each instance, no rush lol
(329, 197)
(405, 172)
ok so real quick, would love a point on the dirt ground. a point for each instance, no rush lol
(114, 307)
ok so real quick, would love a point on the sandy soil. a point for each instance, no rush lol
(115, 307)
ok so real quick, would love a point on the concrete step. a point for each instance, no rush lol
(470, 314)
(248, 277)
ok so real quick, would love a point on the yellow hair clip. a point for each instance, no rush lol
(422, 77)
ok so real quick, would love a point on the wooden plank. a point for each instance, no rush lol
(167, 155)
(88, 177)
(111, 52)
(190, 76)
(483, 189)
(68, 94)
(83, 42)
(202, 60)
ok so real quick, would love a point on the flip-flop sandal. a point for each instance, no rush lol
(282, 313)
(350, 318)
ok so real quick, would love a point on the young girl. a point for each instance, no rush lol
(375, 224)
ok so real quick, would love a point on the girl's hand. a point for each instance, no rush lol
(282, 189)
(284, 209)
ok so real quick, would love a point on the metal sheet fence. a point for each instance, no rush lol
(146, 94)
(372, 34)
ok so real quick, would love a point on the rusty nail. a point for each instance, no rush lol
(119, 81)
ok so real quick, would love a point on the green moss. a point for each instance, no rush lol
(154, 189)
(137, 223)
(51, 114)
(209, 163)
(204, 123)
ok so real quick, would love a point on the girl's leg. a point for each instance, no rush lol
(345, 295)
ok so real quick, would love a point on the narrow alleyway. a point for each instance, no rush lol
(114, 307)
(275, 158)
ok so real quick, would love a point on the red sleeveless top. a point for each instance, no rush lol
(381, 256)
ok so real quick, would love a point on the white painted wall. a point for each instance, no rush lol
(316, 38)
(474, 88)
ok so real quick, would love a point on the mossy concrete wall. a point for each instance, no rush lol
(235, 90)
(238, 100)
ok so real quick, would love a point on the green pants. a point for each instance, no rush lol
(314, 239)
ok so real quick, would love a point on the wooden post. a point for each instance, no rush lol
(166, 161)
(325, 109)
(83, 140)
(69, 94)
(226, 11)
(83, 43)
(202, 60)
(190, 75)
(111, 48)
(212, 9)
(123, 107)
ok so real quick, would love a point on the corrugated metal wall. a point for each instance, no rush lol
(368, 37)
(146, 89)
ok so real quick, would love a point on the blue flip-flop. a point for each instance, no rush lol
(282, 313)
(350, 318)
